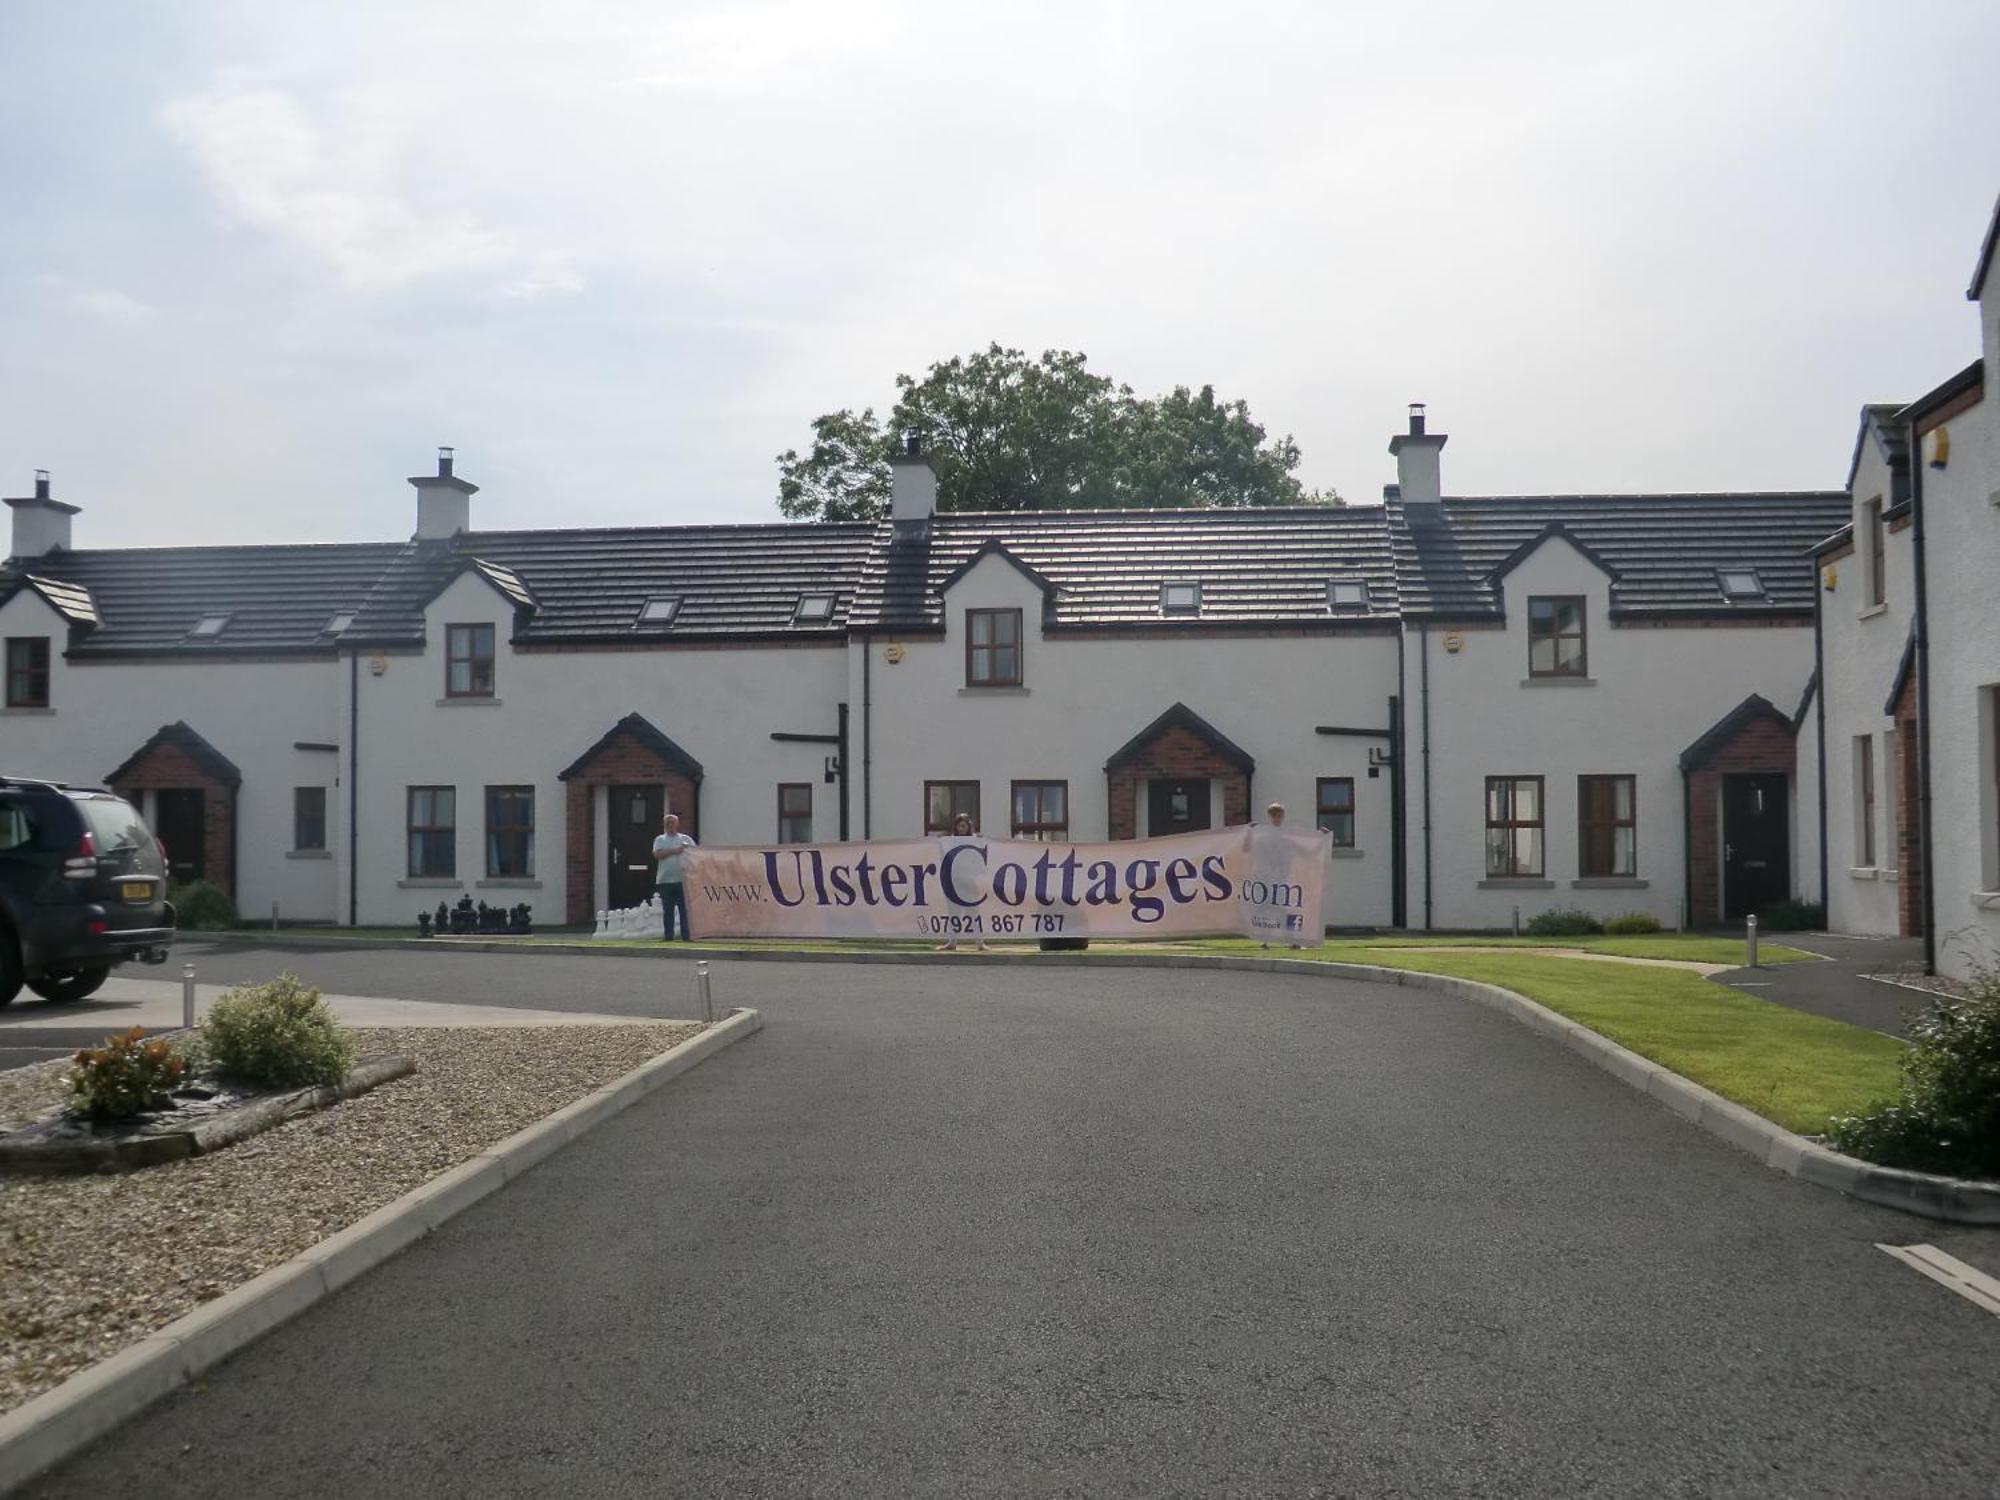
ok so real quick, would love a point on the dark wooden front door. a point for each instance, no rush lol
(1176, 807)
(180, 821)
(635, 822)
(1756, 842)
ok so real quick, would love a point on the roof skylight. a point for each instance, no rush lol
(660, 611)
(1741, 583)
(339, 623)
(208, 627)
(814, 609)
(1180, 598)
(1346, 593)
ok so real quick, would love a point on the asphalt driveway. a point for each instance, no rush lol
(973, 1231)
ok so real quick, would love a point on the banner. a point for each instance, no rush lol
(1255, 880)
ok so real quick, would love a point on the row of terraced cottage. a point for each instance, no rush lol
(1495, 705)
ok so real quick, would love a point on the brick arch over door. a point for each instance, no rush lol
(176, 759)
(1752, 737)
(630, 753)
(1180, 744)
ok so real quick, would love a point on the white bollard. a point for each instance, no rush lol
(187, 997)
(707, 995)
(1750, 939)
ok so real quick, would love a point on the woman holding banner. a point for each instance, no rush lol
(962, 832)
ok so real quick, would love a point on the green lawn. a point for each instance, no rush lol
(1693, 947)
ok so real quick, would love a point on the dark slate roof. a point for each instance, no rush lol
(197, 749)
(1878, 419)
(70, 600)
(589, 586)
(1731, 724)
(147, 599)
(1986, 250)
(1664, 552)
(1256, 567)
(1904, 665)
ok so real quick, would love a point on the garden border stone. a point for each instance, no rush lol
(41, 1433)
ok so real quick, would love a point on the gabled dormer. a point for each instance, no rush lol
(1559, 587)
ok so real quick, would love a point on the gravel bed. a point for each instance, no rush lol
(89, 1265)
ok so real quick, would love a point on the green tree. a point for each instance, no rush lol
(1007, 432)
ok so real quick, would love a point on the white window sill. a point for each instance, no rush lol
(431, 883)
(1986, 900)
(1516, 883)
(1347, 853)
(308, 854)
(1892, 876)
(26, 713)
(992, 692)
(1863, 872)
(509, 883)
(1610, 883)
(1872, 611)
(470, 702)
(1555, 681)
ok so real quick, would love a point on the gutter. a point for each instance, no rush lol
(353, 788)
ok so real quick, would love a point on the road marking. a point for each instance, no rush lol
(1751, 984)
(1974, 1286)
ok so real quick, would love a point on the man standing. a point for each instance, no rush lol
(1280, 867)
(669, 877)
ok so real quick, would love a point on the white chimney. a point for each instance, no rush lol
(912, 488)
(444, 502)
(41, 525)
(1416, 453)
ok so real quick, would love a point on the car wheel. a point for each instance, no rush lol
(79, 984)
(10, 968)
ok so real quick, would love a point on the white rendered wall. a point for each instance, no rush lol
(1083, 697)
(1962, 560)
(720, 706)
(253, 712)
(1862, 644)
(1651, 692)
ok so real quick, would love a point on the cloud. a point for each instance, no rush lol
(105, 304)
(276, 170)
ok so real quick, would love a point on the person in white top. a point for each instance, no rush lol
(670, 875)
(1274, 815)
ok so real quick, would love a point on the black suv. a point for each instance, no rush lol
(83, 886)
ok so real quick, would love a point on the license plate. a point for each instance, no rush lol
(138, 892)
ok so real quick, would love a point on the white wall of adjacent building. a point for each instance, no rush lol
(1648, 693)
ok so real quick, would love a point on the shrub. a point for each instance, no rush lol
(201, 907)
(1947, 1117)
(123, 1076)
(277, 1035)
(1792, 916)
(1628, 923)
(1562, 922)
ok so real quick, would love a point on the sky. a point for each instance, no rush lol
(257, 261)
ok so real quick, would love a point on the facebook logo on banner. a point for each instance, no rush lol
(1293, 923)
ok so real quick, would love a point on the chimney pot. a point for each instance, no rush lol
(444, 463)
(41, 484)
(1416, 419)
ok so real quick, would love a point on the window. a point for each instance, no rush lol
(308, 818)
(1180, 598)
(27, 671)
(339, 623)
(814, 609)
(945, 800)
(1877, 554)
(468, 661)
(17, 829)
(510, 832)
(1345, 593)
(1041, 810)
(1741, 583)
(660, 611)
(1555, 636)
(1864, 800)
(208, 627)
(795, 812)
(433, 821)
(1513, 826)
(992, 648)
(1333, 809)
(1607, 821)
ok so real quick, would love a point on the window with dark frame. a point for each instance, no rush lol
(1878, 555)
(1040, 810)
(1333, 809)
(468, 661)
(1607, 821)
(308, 819)
(433, 826)
(992, 648)
(1864, 799)
(795, 812)
(27, 671)
(510, 832)
(1513, 827)
(1555, 636)
(945, 800)
(1180, 598)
